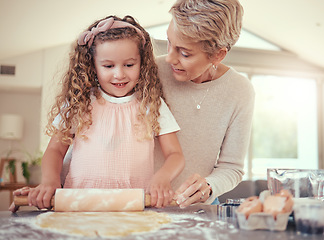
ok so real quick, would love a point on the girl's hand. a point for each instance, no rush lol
(194, 190)
(19, 192)
(161, 191)
(41, 195)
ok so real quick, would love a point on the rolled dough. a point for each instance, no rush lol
(103, 224)
(98, 200)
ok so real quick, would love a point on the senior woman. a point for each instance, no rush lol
(212, 103)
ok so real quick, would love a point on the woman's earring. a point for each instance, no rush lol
(215, 67)
(98, 84)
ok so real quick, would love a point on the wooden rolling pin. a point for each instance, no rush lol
(96, 200)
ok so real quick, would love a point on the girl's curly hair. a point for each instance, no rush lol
(78, 84)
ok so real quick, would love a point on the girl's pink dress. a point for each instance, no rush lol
(112, 156)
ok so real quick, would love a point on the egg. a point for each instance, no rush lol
(281, 202)
(250, 205)
(263, 195)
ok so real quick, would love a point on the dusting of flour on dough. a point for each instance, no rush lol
(104, 224)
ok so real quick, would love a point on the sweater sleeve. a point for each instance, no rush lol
(228, 171)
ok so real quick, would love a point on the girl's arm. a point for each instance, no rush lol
(51, 168)
(160, 188)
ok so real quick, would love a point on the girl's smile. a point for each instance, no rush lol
(119, 85)
(117, 65)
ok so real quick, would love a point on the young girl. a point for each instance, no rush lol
(110, 108)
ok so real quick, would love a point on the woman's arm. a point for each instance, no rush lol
(160, 187)
(228, 169)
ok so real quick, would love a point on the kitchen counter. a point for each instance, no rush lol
(195, 222)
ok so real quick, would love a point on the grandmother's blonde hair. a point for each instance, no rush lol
(214, 24)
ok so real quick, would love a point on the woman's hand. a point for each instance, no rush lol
(19, 192)
(194, 190)
(161, 191)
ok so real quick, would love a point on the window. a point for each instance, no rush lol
(284, 132)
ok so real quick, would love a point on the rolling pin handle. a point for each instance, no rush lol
(147, 200)
(23, 201)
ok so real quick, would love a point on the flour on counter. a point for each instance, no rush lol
(183, 225)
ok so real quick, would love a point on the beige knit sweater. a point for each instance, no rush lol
(215, 138)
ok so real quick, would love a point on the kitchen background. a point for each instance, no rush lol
(281, 50)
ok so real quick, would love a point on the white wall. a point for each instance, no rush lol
(20, 94)
(55, 61)
(30, 93)
(28, 77)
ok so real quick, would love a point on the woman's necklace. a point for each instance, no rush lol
(199, 103)
(212, 77)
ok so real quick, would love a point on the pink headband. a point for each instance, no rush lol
(102, 26)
